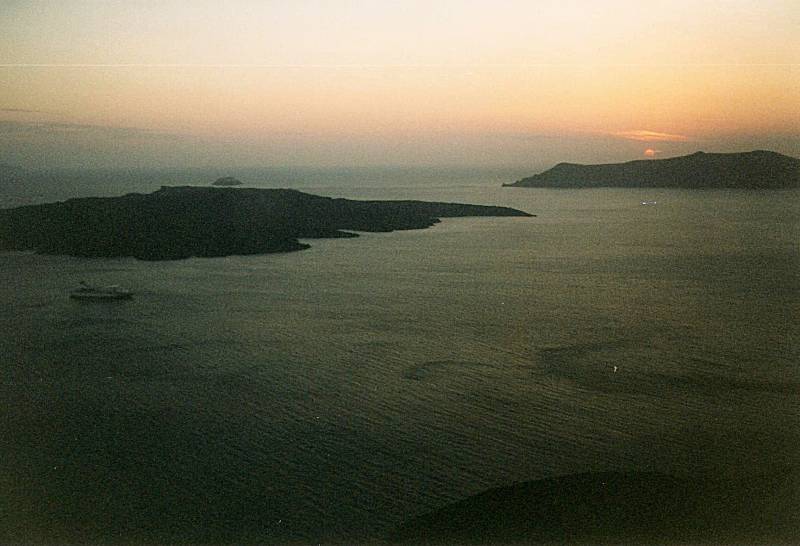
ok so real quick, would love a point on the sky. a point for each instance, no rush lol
(200, 83)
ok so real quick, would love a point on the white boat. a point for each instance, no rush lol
(100, 293)
(649, 202)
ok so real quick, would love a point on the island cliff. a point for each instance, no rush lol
(180, 222)
(750, 170)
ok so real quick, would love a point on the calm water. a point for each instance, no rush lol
(326, 395)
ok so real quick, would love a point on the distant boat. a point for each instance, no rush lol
(649, 202)
(87, 292)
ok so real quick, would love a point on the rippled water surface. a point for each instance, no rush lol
(331, 393)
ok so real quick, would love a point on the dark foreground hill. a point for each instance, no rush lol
(179, 222)
(749, 170)
(635, 508)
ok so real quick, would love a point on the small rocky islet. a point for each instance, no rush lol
(227, 181)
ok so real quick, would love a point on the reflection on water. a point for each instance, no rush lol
(334, 392)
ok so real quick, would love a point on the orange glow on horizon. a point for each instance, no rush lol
(530, 79)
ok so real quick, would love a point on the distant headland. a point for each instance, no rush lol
(227, 181)
(180, 222)
(749, 170)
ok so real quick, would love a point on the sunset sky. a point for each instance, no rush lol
(145, 83)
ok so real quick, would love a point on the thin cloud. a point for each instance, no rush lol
(23, 111)
(651, 136)
(17, 129)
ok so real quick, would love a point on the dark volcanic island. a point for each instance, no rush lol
(180, 222)
(748, 170)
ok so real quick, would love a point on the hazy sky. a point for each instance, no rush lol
(469, 82)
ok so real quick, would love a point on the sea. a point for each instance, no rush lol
(327, 395)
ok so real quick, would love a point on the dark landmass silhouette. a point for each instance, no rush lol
(227, 181)
(629, 508)
(749, 170)
(180, 222)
